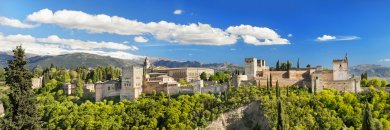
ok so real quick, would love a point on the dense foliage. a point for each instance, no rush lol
(154, 112)
(328, 109)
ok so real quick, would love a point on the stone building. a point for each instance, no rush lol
(89, 88)
(187, 73)
(109, 88)
(314, 78)
(131, 82)
(36, 82)
(69, 88)
(129, 87)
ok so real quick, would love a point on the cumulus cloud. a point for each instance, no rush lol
(140, 39)
(54, 45)
(257, 35)
(334, 38)
(14, 23)
(177, 12)
(194, 33)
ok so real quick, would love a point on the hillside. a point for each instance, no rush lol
(92, 60)
(372, 70)
(73, 60)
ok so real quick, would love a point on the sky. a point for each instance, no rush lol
(209, 31)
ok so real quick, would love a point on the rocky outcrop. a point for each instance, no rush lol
(247, 117)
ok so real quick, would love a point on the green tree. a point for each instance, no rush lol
(288, 65)
(364, 83)
(79, 87)
(383, 83)
(270, 80)
(308, 66)
(203, 76)
(277, 65)
(376, 82)
(23, 112)
(281, 123)
(2, 74)
(368, 123)
(38, 72)
(298, 64)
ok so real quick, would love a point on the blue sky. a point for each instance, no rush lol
(203, 30)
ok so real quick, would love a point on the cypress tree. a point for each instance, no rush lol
(270, 80)
(277, 65)
(281, 125)
(298, 64)
(23, 112)
(277, 89)
(368, 123)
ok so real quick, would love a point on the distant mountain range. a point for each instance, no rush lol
(72, 60)
(92, 60)
(372, 70)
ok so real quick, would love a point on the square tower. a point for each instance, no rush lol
(340, 69)
(131, 82)
(250, 67)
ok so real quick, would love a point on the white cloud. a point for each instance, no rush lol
(384, 60)
(177, 12)
(290, 35)
(336, 38)
(14, 23)
(257, 35)
(54, 45)
(190, 34)
(140, 39)
(233, 49)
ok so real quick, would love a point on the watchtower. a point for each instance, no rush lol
(340, 68)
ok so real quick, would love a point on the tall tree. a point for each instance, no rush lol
(277, 89)
(79, 87)
(277, 65)
(368, 123)
(298, 64)
(281, 125)
(23, 112)
(289, 65)
(270, 80)
(203, 76)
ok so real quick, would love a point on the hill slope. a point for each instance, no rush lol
(371, 69)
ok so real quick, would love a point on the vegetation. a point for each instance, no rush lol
(23, 112)
(328, 109)
(375, 82)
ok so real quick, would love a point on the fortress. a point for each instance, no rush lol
(150, 80)
(315, 79)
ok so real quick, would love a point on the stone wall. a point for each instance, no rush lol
(242, 118)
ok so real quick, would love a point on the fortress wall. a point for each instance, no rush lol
(298, 74)
(344, 85)
(284, 82)
(327, 75)
(276, 75)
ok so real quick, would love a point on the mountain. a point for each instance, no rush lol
(92, 60)
(216, 66)
(372, 70)
(73, 60)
